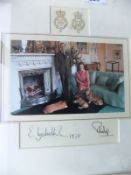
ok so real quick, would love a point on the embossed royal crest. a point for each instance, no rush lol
(60, 21)
(78, 23)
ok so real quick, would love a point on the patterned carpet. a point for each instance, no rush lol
(72, 109)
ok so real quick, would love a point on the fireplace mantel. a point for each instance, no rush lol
(31, 54)
(32, 60)
(21, 62)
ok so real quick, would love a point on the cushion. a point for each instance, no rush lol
(92, 77)
(121, 79)
(113, 82)
(102, 80)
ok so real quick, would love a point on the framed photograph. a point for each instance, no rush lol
(117, 54)
(50, 77)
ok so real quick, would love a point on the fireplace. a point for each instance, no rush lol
(32, 80)
(35, 86)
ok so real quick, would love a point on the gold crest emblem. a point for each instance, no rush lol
(60, 21)
(78, 23)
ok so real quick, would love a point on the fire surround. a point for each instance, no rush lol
(31, 64)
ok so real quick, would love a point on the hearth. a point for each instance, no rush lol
(35, 86)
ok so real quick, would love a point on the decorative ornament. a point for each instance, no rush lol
(60, 21)
(78, 23)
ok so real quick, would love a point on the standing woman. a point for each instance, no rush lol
(83, 79)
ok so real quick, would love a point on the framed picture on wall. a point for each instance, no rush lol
(69, 21)
(117, 54)
(49, 77)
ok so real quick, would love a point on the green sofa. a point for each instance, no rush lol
(109, 86)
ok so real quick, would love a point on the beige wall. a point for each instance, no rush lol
(101, 56)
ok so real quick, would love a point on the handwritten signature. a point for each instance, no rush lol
(101, 129)
(38, 133)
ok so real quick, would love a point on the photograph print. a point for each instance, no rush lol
(57, 77)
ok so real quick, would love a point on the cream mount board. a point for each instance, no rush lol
(68, 133)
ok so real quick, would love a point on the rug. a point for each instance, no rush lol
(72, 109)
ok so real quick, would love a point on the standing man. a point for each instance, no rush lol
(63, 67)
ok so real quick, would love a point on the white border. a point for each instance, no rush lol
(6, 69)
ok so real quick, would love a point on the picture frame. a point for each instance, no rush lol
(25, 97)
(117, 54)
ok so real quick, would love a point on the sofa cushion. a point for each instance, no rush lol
(113, 82)
(102, 80)
(92, 77)
(113, 92)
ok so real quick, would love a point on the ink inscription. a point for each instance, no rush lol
(101, 129)
(39, 133)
